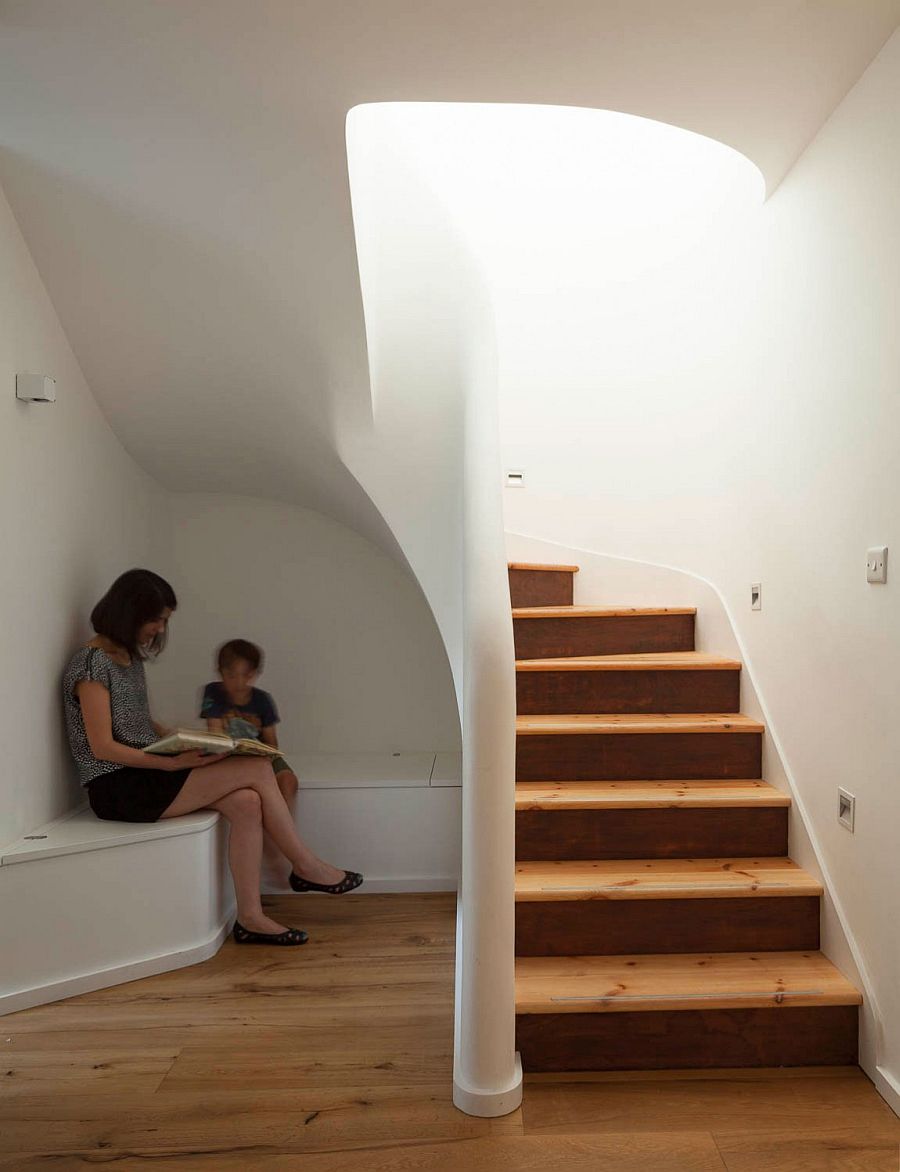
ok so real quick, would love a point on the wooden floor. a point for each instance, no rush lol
(337, 1057)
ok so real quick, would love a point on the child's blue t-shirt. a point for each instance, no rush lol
(241, 720)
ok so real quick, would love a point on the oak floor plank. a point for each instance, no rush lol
(347, 1049)
(841, 1149)
(695, 1152)
(742, 1106)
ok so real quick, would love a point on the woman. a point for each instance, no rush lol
(109, 726)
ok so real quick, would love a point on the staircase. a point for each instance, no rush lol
(659, 922)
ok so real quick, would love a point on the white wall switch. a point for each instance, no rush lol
(35, 388)
(876, 564)
(756, 596)
(846, 809)
(515, 478)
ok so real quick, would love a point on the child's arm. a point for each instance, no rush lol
(215, 724)
(268, 736)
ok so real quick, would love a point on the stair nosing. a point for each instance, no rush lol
(636, 879)
(662, 661)
(612, 974)
(636, 724)
(577, 612)
(542, 568)
(758, 795)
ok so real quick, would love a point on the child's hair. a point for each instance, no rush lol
(236, 649)
(136, 597)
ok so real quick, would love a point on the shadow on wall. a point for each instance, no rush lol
(211, 367)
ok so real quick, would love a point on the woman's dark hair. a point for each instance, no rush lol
(136, 597)
(236, 649)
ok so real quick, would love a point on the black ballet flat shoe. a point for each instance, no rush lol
(351, 880)
(290, 938)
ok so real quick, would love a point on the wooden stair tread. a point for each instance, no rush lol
(541, 567)
(578, 723)
(662, 879)
(590, 612)
(636, 795)
(727, 980)
(646, 661)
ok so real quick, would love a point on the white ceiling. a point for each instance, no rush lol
(178, 170)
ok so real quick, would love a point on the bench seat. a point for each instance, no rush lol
(85, 904)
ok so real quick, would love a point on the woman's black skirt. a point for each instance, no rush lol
(135, 795)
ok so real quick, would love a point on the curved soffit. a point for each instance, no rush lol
(179, 172)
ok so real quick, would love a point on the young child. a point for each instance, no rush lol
(234, 706)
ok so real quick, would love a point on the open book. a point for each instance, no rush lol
(184, 739)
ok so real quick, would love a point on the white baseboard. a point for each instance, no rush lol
(383, 886)
(888, 1087)
(490, 1104)
(104, 978)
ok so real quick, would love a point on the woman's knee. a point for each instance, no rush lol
(258, 773)
(242, 804)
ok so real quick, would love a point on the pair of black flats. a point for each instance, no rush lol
(291, 937)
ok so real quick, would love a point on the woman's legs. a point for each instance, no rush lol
(207, 785)
(243, 810)
(274, 869)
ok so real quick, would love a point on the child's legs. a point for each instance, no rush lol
(288, 784)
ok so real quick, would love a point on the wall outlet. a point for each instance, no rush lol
(515, 478)
(846, 809)
(756, 596)
(876, 564)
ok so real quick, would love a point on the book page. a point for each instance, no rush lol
(184, 739)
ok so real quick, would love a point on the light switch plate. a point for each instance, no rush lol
(876, 564)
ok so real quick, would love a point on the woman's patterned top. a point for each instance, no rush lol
(129, 707)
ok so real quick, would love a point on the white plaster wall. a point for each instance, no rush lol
(75, 511)
(749, 433)
(353, 656)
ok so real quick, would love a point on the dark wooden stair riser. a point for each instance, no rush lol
(653, 833)
(546, 638)
(539, 692)
(688, 1039)
(541, 587)
(620, 927)
(638, 756)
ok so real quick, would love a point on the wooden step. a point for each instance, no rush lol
(546, 567)
(647, 746)
(598, 907)
(617, 724)
(656, 661)
(554, 631)
(656, 1012)
(675, 681)
(634, 795)
(647, 819)
(657, 832)
(639, 984)
(534, 584)
(637, 879)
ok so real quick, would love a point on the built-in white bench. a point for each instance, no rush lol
(85, 903)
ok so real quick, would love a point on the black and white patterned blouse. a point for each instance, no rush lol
(129, 707)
